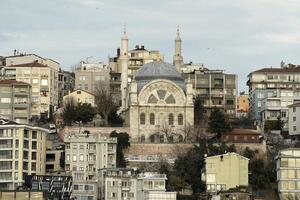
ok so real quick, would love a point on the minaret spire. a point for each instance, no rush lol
(124, 58)
(178, 59)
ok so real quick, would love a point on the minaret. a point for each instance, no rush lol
(124, 66)
(178, 59)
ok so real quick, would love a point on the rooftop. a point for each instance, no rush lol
(242, 132)
(286, 69)
(12, 82)
(32, 64)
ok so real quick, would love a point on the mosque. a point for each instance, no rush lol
(157, 103)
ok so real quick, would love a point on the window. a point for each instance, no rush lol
(44, 82)
(294, 109)
(100, 78)
(82, 78)
(294, 128)
(5, 100)
(34, 144)
(81, 157)
(180, 119)
(33, 156)
(171, 119)
(35, 81)
(34, 135)
(142, 118)
(294, 119)
(68, 157)
(142, 139)
(152, 119)
(74, 157)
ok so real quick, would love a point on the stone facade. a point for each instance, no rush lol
(160, 104)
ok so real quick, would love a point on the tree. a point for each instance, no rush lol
(123, 143)
(274, 125)
(104, 103)
(218, 123)
(198, 110)
(177, 183)
(69, 112)
(167, 131)
(188, 132)
(248, 153)
(84, 112)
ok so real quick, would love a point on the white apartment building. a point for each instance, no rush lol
(275, 104)
(42, 74)
(267, 80)
(294, 119)
(125, 183)
(90, 76)
(288, 173)
(22, 152)
(85, 155)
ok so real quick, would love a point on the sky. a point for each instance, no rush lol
(238, 36)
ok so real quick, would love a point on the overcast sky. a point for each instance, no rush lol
(238, 36)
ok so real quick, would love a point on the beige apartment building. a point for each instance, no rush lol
(80, 96)
(225, 171)
(22, 152)
(125, 183)
(288, 173)
(90, 76)
(215, 88)
(15, 101)
(41, 74)
(85, 155)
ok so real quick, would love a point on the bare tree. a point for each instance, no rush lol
(189, 133)
(169, 132)
(104, 102)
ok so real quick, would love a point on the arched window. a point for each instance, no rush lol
(161, 139)
(180, 138)
(171, 139)
(171, 119)
(143, 139)
(152, 138)
(180, 119)
(152, 119)
(142, 118)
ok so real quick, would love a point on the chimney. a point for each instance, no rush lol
(15, 52)
(118, 52)
(137, 46)
(142, 47)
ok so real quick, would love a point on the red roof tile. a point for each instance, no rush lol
(33, 64)
(12, 82)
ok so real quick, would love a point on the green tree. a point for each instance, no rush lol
(273, 125)
(248, 153)
(123, 143)
(69, 112)
(177, 183)
(198, 110)
(84, 112)
(218, 123)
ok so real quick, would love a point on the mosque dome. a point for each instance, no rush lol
(158, 70)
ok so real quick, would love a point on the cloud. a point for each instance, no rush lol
(238, 36)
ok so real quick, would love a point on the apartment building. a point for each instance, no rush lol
(288, 173)
(79, 96)
(90, 76)
(264, 85)
(242, 105)
(294, 120)
(125, 183)
(225, 171)
(215, 88)
(15, 101)
(41, 74)
(85, 155)
(275, 104)
(22, 152)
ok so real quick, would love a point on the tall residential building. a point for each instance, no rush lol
(277, 87)
(294, 120)
(215, 88)
(85, 155)
(23, 152)
(225, 171)
(90, 76)
(124, 183)
(288, 173)
(42, 74)
(15, 101)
